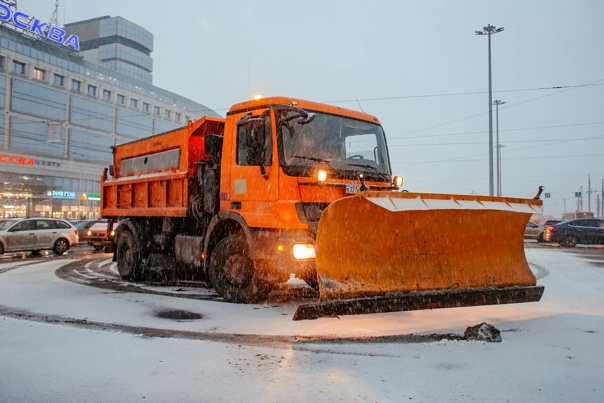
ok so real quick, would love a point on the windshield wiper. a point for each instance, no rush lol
(374, 169)
(312, 159)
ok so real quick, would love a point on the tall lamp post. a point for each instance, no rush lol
(490, 30)
(497, 103)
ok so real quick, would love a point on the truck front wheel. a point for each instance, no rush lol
(232, 273)
(127, 256)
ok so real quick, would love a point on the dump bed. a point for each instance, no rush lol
(150, 176)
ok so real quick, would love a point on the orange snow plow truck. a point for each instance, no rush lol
(285, 186)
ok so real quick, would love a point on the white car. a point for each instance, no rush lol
(36, 234)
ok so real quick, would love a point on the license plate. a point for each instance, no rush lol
(352, 189)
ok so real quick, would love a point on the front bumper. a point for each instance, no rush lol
(274, 254)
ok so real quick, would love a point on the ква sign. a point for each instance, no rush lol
(53, 33)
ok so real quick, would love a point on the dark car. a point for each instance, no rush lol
(97, 235)
(543, 226)
(83, 226)
(573, 232)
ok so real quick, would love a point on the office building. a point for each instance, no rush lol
(66, 96)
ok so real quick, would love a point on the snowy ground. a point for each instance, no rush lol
(61, 341)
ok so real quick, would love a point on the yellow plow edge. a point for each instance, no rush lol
(375, 243)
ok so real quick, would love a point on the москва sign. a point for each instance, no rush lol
(53, 33)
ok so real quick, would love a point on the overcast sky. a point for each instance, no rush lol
(416, 65)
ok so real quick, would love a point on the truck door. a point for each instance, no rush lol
(254, 171)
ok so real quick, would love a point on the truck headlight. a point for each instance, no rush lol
(304, 251)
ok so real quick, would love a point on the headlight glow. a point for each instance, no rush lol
(320, 175)
(397, 181)
(304, 251)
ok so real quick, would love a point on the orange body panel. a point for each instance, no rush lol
(160, 188)
(301, 103)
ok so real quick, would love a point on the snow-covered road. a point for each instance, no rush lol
(551, 350)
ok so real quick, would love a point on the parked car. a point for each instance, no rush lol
(36, 234)
(573, 232)
(544, 226)
(83, 226)
(532, 230)
(96, 236)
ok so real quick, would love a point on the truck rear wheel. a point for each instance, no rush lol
(127, 256)
(232, 272)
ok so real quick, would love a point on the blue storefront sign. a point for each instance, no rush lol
(62, 194)
(24, 21)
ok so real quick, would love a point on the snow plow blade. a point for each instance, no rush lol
(465, 250)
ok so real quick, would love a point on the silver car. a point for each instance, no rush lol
(36, 234)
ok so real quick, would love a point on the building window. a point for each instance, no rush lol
(59, 80)
(91, 90)
(134, 103)
(177, 116)
(146, 107)
(156, 110)
(1, 62)
(18, 67)
(121, 99)
(107, 95)
(76, 85)
(187, 118)
(39, 74)
(167, 114)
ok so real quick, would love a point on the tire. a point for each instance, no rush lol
(569, 241)
(61, 246)
(1, 249)
(128, 257)
(232, 272)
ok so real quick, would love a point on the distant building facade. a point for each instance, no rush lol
(62, 110)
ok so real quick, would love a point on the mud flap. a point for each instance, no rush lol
(375, 243)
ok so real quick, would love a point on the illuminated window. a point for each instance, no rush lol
(39, 74)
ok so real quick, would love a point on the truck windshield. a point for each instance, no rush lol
(347, 146)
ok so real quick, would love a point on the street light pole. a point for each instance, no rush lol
(499, 184)
(490, 30)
